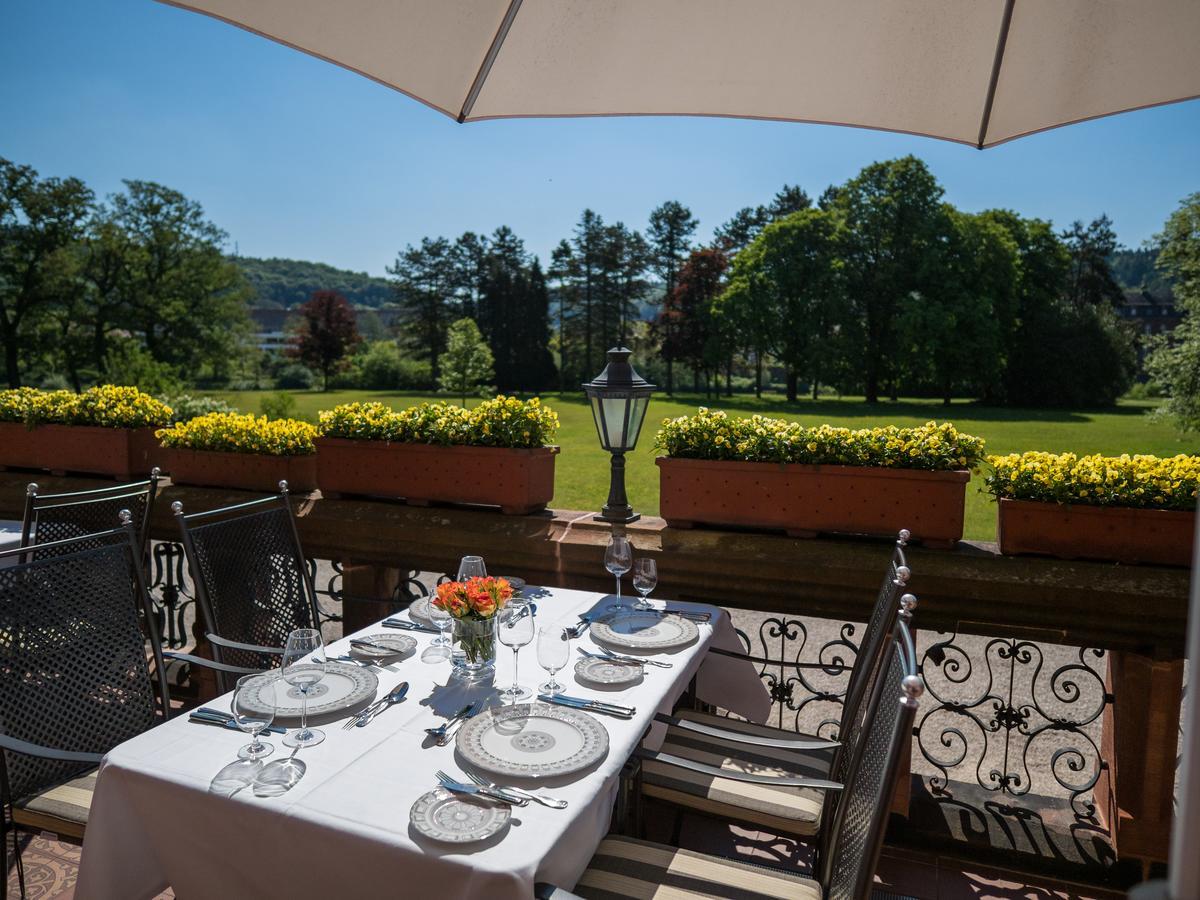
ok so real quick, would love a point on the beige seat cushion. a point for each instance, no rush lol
(790, 810)
(62, 809)
(628, 868)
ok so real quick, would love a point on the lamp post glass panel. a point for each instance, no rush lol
(619, 397)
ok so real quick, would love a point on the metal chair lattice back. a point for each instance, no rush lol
(50, 518)
(74, 676)
(251, 579)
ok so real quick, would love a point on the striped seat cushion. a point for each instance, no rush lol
(628, 868)
(62, 809)
(790, 810)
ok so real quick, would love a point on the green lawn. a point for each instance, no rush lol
(582, 477)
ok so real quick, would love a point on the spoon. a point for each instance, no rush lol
(440, 731)
(390, 700)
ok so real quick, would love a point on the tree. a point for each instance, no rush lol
(1090, 279)
(697, 339)
(468, 361)
(670, 234)
(787, 293)
(40, 220)
(1175, 362)
(747, 223)
(184, 298)
(424, 280)
(890, 213)
(327, 334)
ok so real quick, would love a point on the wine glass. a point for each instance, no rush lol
(645, 578)
(516, 630)
(443, 621)
(553, 652)
(471, 567)
(254, 715)
(618, 559)
(303, 666)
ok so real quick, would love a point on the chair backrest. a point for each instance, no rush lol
(852, 852)
(50, 518)
(251, 581)
(73, 669)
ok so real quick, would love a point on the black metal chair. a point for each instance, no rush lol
(251, 581)
(628, 867)
(74, 675)
(56, 517)
(706, 761)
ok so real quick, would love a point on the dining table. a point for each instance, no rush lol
(166, 813)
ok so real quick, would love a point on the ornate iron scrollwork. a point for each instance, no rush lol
(167, 565)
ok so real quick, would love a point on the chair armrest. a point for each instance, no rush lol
(831, 668)
(544, 891)
(237, 645)
(742, 737)
(15, 745)
(209, 663)
(819, 784)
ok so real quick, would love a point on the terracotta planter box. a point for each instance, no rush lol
(517, 481)
(245, 471)
(805, 501)
(1113, 533)
(119, 452)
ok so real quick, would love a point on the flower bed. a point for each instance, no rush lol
(495, 454)
(242, 451)
(769, 473)
(106, 430)
(1117, 508)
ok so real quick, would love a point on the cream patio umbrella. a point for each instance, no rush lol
(980, 72)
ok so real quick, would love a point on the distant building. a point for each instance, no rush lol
(1152, 313)
(272, 326)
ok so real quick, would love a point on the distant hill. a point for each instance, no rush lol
(287, 283)
(1135, 271)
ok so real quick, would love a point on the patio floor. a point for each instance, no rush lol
(51, 867)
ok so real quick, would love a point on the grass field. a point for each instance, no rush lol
(582, 474)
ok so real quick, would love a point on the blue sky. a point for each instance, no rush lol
(298, 158)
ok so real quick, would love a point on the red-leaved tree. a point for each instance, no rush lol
(327, 334)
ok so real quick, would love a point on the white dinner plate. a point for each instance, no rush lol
(418, 610)
(532, 740)
(397, 644)
(456, 819)
(638, 630)
(609, 673)
(343, 687)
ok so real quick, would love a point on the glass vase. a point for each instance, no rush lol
(474, 648)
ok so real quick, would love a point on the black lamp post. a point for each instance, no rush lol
(619, 397)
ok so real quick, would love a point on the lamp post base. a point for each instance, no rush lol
(617, 516)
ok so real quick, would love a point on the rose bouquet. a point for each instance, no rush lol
(473, 605)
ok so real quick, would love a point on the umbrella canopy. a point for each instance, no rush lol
(980, 72)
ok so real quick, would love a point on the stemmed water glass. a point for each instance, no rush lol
(471, 567)
(254, 715)
(516, 630)
(304, 666)
(645, 578)
(443, 621)
(553, 652)
(618, 559)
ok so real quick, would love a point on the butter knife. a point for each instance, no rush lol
(621, 712)
(409, 626)
(227, 722)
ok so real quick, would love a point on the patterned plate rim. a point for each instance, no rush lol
(364, 679)
(594, 733)
(418, 816)
(636, 673)
(409, 642)
(601, 629)
(418, 610)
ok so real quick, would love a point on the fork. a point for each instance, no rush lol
(453, 784)
(517, 792)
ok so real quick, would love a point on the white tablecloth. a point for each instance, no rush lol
(344, 829)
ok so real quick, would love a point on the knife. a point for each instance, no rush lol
(621, 712)
(409, 626)
(687, 614)
(227, 722)
(629, 660)
(363, 644)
